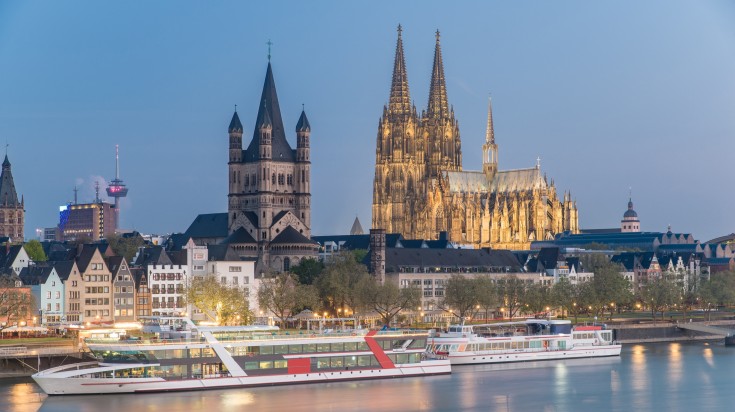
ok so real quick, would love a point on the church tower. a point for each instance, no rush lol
(399, 158)
(444, 150)
(269, 206)
(630, 222)
(12, 212)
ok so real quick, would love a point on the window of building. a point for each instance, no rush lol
(235, 269)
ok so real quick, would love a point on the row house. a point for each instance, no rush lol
(14, 257)
(123, 294)
(97, 285)
(143, 304)
(167, 280)
(71, 277)
(47, 289)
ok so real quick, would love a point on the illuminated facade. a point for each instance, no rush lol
(420, 189)
(89, 220)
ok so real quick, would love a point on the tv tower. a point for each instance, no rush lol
(117, 188)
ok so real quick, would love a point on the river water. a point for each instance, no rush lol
(692, 376)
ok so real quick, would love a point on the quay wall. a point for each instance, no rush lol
(664, 331)
(27, 366)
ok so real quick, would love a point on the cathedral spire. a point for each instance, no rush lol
(438, 104)
(400, 99)
(490, 132)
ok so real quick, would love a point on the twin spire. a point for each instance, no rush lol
(400, 99)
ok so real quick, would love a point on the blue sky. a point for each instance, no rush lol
(610, 95)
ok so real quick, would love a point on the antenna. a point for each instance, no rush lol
(75, 194)
(117, 161)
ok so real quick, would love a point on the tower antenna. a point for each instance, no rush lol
(269, 43)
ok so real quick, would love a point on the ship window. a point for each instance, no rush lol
(265, 364)
(322, 347)
(350, 361)
(294, 349)
(363, 360)
(266, 350)
(350, 346)
(251, 365)
(310, 348)
(338, 347)
(280, 363)
(337, 362)
(280, 349)
(322, 363)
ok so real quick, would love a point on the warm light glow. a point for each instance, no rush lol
(128, 325)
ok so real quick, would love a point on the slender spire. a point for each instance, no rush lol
(438, 104)
(400, 99)
(490, 132)
(303, 123)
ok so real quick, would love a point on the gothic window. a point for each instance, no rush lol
(303, 179)
(281, 180)
(273, 178)
(289, 179)
(286, 264)
(265, 176)
(247, 180)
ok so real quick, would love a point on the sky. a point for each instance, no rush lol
(614, 97)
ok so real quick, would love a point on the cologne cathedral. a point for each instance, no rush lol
(421, 190)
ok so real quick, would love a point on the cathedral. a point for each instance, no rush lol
(420, 188)
(269, 201)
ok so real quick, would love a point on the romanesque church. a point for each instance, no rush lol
(269, 201)
(420, 188)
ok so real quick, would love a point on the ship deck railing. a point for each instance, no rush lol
(259, 337)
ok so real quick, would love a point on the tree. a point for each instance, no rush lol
(461, 297)
(660, 293)
(487, 294)
(718, 290)
(308, 270)
(220, 303)
(386, 299)
(512, 292)
(283, 295)
(126, 247)
(35, 251)
(565, 294)
(611, 287)
(338, 281)
(537, 297)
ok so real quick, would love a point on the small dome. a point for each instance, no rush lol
(630, 212)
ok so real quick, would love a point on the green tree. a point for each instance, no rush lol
(386, 299)
(717, 291)
(35, 251)
(218, 302)
(660, 293)
(308, 270)
(487, 294)
(461, 297)
(126, 247)
(565, 295)
(511, 291)
(283, 295)
(337, 284)
(611, 287)
(537, 298)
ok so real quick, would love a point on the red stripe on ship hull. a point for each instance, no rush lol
(382, 358)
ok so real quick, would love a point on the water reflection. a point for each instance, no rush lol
(683, 377)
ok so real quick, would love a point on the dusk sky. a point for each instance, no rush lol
(610, 96)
